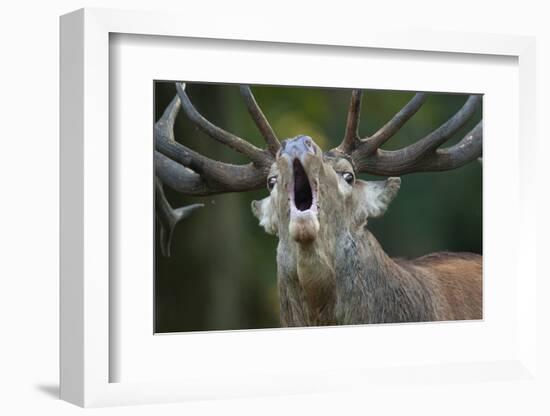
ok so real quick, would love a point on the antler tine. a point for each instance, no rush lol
(178, 177)
(466, 150)
(165, 125)
(194, 174)
(389, 129)
(422, 155)
(169, 217)
(369, 145)
(260, 120)
(188, 182)
(351, 135)
(256, 155)
(447, 129)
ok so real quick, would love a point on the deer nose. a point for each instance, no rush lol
(298, 146)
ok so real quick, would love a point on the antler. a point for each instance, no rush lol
(169, 217)
(191, 173)
(423, 155)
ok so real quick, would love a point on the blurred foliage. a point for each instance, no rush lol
(222, 273)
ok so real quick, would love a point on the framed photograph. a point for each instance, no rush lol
(282, 212)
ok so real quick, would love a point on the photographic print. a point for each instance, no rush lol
(287, 206)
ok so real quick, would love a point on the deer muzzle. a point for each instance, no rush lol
(300, 155)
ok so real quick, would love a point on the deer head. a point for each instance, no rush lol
(313, 193)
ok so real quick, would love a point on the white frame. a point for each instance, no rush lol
(137, 60)
(85, 191)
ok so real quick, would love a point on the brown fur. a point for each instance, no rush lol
(455, 279)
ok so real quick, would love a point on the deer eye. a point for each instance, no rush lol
(348, 177)
(271, 181)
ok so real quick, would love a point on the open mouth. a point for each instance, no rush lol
(303, 195)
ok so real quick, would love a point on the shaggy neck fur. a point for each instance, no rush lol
(348, 283)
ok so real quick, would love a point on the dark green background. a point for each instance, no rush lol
(222, 273)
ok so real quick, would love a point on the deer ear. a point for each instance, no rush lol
(377, 195)
(263, 210)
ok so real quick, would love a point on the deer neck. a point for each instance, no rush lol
(372, 288)
(315, 272)
(348, 258)
(346, 280)
(306, 281)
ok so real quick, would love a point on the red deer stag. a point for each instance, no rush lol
(331, 269)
